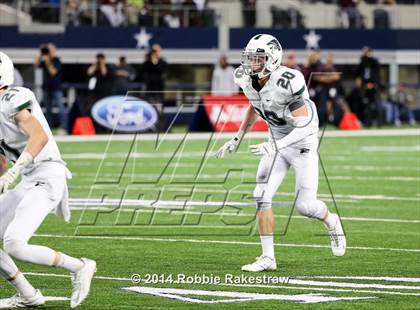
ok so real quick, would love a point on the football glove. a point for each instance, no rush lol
(13, 173)
(7, 179)
(229, 147)
(263, 149)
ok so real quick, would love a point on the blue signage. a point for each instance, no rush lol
(125, 114)
(352, 39)
(141, 38)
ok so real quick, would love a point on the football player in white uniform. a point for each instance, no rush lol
(27, 142)
(279, 95)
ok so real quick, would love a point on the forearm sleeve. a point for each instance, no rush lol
(303, 128)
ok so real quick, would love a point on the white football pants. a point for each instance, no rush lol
(303, 157)
(24, 208)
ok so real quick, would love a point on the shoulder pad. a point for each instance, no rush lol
(239, 77)
(18, 99)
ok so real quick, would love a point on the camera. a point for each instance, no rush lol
(45, 50)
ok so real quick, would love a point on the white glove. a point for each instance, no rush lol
(230, 146)
(8, 178)
(263, 149)
(13, 173)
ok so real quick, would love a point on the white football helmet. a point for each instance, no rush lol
(261, 56)
(7, 71)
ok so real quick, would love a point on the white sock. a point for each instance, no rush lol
(22, 285)
(331, 220)
(8, 268)
(70, 263)
(267, 244)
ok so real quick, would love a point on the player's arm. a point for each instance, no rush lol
(301, 120)
(250, 118)
(232, 145)
(37, 139)
(52, 70)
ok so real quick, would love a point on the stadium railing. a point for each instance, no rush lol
(267, 13)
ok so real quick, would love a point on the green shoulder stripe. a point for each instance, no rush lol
(23, 106)
(300, 91)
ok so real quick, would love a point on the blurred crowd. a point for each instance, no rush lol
(187, 13)
(116, 13)
(104, 79)
(372, 103)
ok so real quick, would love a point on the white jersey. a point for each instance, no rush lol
(13, 139)
(284, 92)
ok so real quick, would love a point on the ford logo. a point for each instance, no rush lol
(124, 113)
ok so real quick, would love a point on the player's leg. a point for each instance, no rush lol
(270, 174)
(305, 164)
(28, 217)
(30, 213)
(27, 294)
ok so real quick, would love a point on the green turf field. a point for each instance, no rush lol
(187, 213)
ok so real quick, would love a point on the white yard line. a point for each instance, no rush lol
(196, 188)
(237, 175)
(100, 207)
(202, 136)
(324, 289)
(386, 279)
(395, 148)
(280, 286)
(220, 242)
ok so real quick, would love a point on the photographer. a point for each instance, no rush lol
(154, 72)
(123, 75)
(51, 83)
(101, 78)
(368, 72)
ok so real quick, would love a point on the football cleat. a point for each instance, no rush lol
(261, 263)
(19, 301)
(338, 239)
(81, 282)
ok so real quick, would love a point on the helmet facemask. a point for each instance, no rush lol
(255, 63)
(261, 56)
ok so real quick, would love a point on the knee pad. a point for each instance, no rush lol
(14, 247)
(263, 200)
(263, 206)
(311, 208)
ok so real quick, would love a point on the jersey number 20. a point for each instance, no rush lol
(284, 81)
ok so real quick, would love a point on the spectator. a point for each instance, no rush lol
(248, 12)
(310, 70)
(403, 102)
(124, 74)
(355, 100)
(368, 72)
(77, 13)
(112, 13)
(51, 84)
(291, 61)
(101, 78)
(154, 73)
(133, 8)
(222, 83)
(349, 15)
(145, 17)
(171, 20)
(329, 90)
